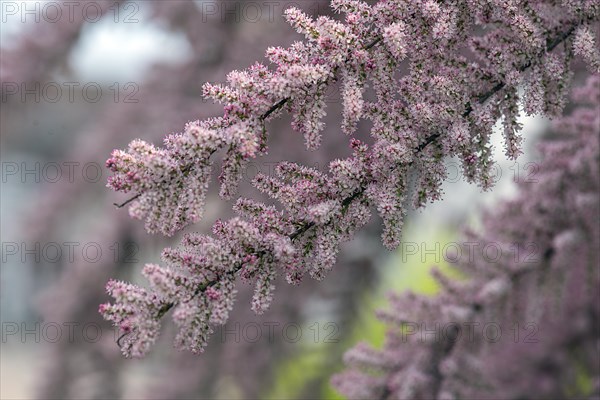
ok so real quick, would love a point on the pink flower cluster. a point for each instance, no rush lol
(173, 179)
(444, 104)
(541, 297)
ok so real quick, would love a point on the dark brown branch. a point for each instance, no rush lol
(184, 170)
(123, 336)
(274, 108)
(373, 43)
(123, 204)
(282, 102)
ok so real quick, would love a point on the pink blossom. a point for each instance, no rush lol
(429, 101)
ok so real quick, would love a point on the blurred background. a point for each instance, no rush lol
(81, 78)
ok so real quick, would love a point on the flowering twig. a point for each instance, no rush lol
(439, 94)
(275, 107)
